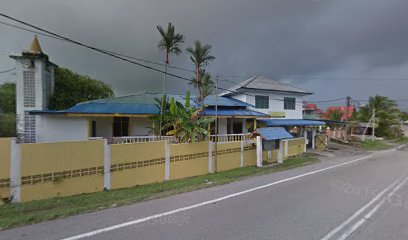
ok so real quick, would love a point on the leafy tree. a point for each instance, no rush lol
(183, 122)
(404, 116)
(387, 116)
(205, 85)
(335, 114)
(72, 88)
(8, 97)
(200, 56)
(7, 125)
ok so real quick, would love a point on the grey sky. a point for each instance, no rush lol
(291, 40)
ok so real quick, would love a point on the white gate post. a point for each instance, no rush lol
(313, 138)
(286, 148)
(258, 151)
(166, 160)
(15, 171)
(280, 152)
(106, 166)
(210, 158)
(242, 153)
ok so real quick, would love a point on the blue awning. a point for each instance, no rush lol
(225, 112)
(290, 122)
(273, 133)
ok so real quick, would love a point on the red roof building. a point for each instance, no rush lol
(344, 110)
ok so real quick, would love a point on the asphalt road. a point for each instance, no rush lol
(354, 197)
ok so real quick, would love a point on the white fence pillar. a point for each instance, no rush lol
(313, 138)
(258, 151)
(286, 148)
(106, 166)
(242, 153)
(166, 160)
(210, 157)
(280, 152)
(15, 171)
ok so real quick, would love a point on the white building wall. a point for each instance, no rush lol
(139, 126)
(103, 126)
(222, 126)
(275, 103)
(52, 128)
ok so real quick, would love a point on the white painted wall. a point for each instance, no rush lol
(138, 126)
(52, 128)
(103, 126)
(274, 105)
(222, 126)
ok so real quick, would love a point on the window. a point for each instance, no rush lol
(262, 102)
(29, 88)
(120, 126)
(93, 129)
(289, 103)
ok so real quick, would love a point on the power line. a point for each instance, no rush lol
(112, 52)
(119, 56)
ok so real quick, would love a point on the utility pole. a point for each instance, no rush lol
(373, 131)
(216, 126)
(347, 116)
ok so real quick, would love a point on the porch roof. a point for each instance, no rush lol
(233, 113)
(290, 122)
(273, 133)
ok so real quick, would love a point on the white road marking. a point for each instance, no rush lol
(141, 220)
(361, 210)
(346, 234)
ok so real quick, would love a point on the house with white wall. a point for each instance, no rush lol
(240, 108)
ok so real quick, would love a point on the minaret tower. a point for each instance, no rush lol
(34, 87)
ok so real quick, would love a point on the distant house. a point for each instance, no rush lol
(277, 99)
(346, 114)
(311, 111)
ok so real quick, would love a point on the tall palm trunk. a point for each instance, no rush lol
(163, 90)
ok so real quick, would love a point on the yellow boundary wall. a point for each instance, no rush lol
(189, 159)
(296, 146)
(229, 156)
(61, 169)
(249, 154)
(70, 168)
(5, 155)
(137, 164)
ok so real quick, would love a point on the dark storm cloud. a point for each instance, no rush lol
(280, 38)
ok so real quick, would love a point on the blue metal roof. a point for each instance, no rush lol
(145, 104)
(232, 112)
(290, 122)
(273, 133)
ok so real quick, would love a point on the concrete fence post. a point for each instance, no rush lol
(166, 160)
(210, 157)
(280, 152)
(313, 138)
(15, 171)
(286, 148)
(106, 166)
(242, 153)
(258, 151)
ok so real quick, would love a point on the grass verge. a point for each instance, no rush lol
(374, 145)
(402, 140)
(18, 214)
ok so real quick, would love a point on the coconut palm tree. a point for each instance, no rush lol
(200, 56)
(387, 115)
(170, 43)
(335, 115)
